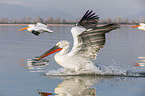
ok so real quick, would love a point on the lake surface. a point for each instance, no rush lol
(122, 49)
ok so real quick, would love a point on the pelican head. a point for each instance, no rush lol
(29, 28)
(61, 46)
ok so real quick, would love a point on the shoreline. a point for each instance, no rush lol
(35, 24)
(58, 24)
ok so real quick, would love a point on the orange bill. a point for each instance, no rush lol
(51, 51)
(135, 26)
(139, 64)
(24, 28)
(136, 65)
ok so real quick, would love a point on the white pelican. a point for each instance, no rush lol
(139, 64)
(141, 26)
(37, 29)
(142, 63)
(88, 39)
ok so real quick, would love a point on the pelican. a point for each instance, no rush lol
(37, 29)
(139, 64)
(141, 26)
(142, 63)
(88, 39)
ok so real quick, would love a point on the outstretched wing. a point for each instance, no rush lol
(88, 38)
(89, 20)
(90, 42)
(41, 25)
(41, 28)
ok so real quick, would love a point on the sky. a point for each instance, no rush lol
(104, 8)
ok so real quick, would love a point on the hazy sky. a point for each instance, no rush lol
(104, 8)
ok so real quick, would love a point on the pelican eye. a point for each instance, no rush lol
(58, 44)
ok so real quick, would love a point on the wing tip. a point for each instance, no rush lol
(36, 33)
(114, 25)
(88, 16)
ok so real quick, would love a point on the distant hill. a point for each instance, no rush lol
(16, 11)
(137, 15)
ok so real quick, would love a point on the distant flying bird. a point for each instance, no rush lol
(139, 64)
(141, 26)
(142, 63)
(37, 29)
(88, 40)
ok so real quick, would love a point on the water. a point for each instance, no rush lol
(122, 49)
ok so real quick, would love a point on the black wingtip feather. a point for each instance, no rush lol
(35, 32)
(89, 20)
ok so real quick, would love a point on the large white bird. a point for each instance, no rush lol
(37, 29)
(141, 26)
(88, 39)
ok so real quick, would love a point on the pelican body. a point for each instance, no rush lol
(141, 26)
(88, 39)
(37, 29)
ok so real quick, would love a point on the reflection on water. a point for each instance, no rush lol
(76, 87)
(44, 93)
(81, 85)
(34, 65)
(34, 62)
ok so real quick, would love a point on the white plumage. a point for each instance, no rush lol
(37, 29)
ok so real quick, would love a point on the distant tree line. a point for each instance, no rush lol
(59, 20)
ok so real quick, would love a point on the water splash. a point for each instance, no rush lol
(112, 70)
(101, 70)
